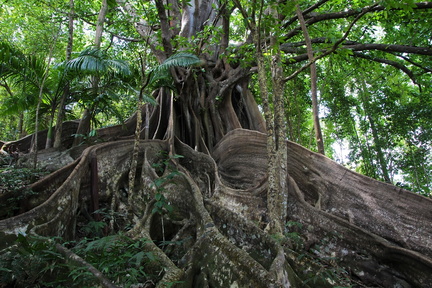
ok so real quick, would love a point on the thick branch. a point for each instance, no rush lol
(349, 13)
(305, 12)
(388, 62)
(234, 76)
(391, 48)
(355, 46)
(166, 34)
(335, 46)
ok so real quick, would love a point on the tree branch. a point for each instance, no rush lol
(80, 261)
(305, 12)
(8, 89)
(391, 48)
(335, 45)
(291, 46)
(425, 69)
(314, 92)
(349, 13)
(395, 64)
(356, 46)
(166, 34)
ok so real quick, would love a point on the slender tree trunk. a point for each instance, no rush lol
(138, 128)
(276, 134)
(84, 126)
(378, 146)
(377, 140)
(268, 115)
(147, 121)
(21, 125)
(275, 200)
(314, 92)
(34, 147)
(281, 204)
(61, 112)
(100, 23)
(48, 142)
(134, 160)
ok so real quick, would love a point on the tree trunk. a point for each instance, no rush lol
(273, 170)
(100, 23)
(339, 228)
(85, 124)
(21, 130)
(65, 94)
(34, 147)
(314, 89)
(83, 127)
(376, 139)
(48, 143)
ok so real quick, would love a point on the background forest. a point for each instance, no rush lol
(375, 107)
(161, 129)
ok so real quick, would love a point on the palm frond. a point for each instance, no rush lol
(24, 72)
(16, 65)
(95, 61)
(119, 67)
(89, 60)
(182, 59)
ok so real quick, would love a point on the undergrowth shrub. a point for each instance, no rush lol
(35, 262)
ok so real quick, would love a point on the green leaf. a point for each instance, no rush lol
(138, 257)
(150, 256)
(158, 196)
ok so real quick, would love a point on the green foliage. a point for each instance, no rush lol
(102, 84)
(35, 262)
(89, 138)
(15, 182)
(94, 228)
(118, 257)
(96, 62)
(292, 229)
(20, 71)
(31, 263)
(167, 172)
(161, 76)
(14, 179)
(380, 115)
(321, 266)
